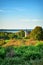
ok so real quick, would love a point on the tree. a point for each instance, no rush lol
(36, 33)
(2, 34)
(22, 33)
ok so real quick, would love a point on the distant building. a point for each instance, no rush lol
(26, 33)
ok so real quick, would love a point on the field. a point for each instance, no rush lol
(21, 32)
(21, 55)
(16, 49)
(21, 52)
(19, 42)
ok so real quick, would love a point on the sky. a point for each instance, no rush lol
(21, 14)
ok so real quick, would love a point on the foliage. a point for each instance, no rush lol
(2, 52)
(37, 33)
(2, 42)
(6, 35)
(21, 55)
(20, 34)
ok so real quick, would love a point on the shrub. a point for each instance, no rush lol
(2, 52)
(37, 33)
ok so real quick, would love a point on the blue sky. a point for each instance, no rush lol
(21, 14)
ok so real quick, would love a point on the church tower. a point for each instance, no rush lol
(26, 32)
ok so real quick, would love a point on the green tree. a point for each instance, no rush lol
(36, 33)
(11, 35)
(2, 34)
(22, 33)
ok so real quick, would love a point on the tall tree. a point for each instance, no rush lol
(37, 33)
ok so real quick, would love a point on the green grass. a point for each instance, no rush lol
(21, 55)
(6, 41)
(39, 43)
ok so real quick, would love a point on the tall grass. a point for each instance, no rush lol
(21, 55)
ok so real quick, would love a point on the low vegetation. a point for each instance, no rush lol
(37, 33)
(21, 55)
(16, 49)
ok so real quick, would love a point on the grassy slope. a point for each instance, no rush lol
(22, 55)
(20, 42)
(24, 52)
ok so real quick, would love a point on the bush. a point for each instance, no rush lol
(37, 33)
(21, 55)
(2, 52)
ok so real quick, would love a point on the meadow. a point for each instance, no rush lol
(16, 49)
(22, 55)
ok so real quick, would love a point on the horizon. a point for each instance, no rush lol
(21, 14)
(19, 28)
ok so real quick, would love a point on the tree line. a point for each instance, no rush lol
(36, 34)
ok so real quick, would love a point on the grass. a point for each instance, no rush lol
(21, 55)
(21, 52)
(21, 42)
(6, 41)
(39, 43)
